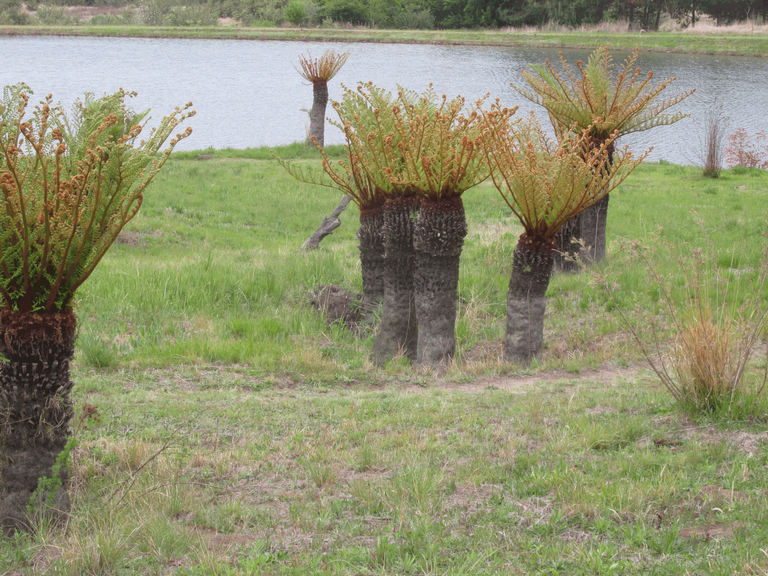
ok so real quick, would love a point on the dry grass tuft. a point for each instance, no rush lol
(706, 359)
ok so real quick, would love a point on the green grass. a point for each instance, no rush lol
(714, 43)
(210, 271)
(238, 433)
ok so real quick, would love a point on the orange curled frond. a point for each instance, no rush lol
(545, 183)
(68, 185)
(597, 96)
(435, 139)
(322, 69)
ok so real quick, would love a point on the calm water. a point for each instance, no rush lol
(248, 94)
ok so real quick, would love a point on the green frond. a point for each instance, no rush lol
(438, 143)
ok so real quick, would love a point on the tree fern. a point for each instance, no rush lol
(544, 182)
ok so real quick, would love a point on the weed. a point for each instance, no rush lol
(712, 142)
(742, 152)
(96, 352)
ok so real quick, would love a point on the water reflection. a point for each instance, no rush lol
(248, 93)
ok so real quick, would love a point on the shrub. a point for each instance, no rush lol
(712, 142)
(415, 17)
(126, 17)
(193, 15)
(741, 151)
(153, 12)
(346, 11)
(12, 15)
(295, 12)
(53, 16)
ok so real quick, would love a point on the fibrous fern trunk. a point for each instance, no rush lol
(568, 245)
(531, 270)
(398, 330)
(35, 407)
(317, 116)
(593, 222)
(584, 234)
(438, 240)
(372, 261)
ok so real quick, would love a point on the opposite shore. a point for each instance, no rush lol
(706, 42)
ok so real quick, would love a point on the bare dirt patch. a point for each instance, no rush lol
(709, 531)
(471, 498)
(715, 492)
(605, 374)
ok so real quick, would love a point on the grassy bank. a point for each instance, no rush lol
(233, 431)
(745, 44)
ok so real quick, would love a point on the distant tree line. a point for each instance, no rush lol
(424, 14)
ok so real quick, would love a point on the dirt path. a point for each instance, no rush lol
(520, 384)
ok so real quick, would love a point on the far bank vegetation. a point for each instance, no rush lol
(607, 15)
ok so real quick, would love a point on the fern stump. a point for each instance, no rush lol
(398, 330)
(35, 409)
(438, 240)
(532, 264)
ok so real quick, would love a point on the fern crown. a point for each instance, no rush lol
(69, 184)
(601, 98)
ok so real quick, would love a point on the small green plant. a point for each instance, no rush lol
(44, 495)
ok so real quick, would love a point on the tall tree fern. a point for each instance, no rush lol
(69, 184)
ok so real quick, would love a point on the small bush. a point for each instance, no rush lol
(14, 17)
(743, 152)
(126, 17)
(295, 12)
(53, 16)
(346, 11)
(153, 12)
(712, 141)
(192, 15)
(414, 17)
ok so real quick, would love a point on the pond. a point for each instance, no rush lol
(247, 93)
